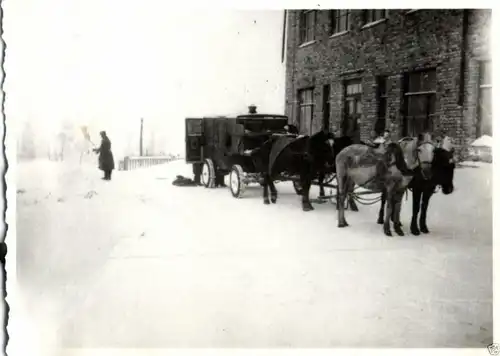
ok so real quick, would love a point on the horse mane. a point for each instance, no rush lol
(397, 151)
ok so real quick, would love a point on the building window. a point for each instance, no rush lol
(326, 107)
(370, 16)
(307, 26)
(306, 109)
(340, 21)
(381, 105)
(352, 108)
(420, 102)
(484, 122)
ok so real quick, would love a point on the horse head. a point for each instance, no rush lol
(321, 147)
(443, 166)
(425, 147)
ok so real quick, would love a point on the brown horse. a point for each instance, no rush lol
(381, 170)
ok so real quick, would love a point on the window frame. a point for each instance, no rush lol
(370, 16)
(484, 86)
(356, 96)
(304, 104)
(429, 95)
(335, 23)
(307, 29)
(382, 102)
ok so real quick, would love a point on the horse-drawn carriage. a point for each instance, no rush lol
(258, 148)
(218, 146)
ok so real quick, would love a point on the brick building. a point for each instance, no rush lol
(412, 70)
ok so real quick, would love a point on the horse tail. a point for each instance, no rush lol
(400, 159)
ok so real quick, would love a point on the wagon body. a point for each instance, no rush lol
(215, 145)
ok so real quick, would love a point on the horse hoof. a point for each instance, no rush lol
(353, 208)
(380, 221)
(343, 224)
(399, 232)
(307, 207)
(424, 230)
(388, 233)
(414, 230)
(274, 200)
(266, 202)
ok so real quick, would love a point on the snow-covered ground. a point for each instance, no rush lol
(138, 262)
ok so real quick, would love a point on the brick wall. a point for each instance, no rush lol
(404, 42)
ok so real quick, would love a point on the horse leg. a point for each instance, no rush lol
(382, 206)
(321, 180)
(417, 196)
(426, 196)
(265, 189)
(341, 196)
(305, 182)
(274, 192)
(350, 199)
(388, 212)
(398, 198)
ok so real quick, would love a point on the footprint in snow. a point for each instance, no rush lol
(90, 194)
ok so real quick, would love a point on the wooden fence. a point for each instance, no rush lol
(131, 162)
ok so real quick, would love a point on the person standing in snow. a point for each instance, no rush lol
(106, 160)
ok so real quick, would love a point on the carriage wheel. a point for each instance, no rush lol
(298, 187)
(208, 174)
(236, 182)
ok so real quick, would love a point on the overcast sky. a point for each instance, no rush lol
(109, 63)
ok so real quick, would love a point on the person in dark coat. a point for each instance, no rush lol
(106, 160)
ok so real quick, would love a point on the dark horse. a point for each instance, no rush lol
(323, 148)
(308, 157)
(423, 186)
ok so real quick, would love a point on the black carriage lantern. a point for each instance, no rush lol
(252, 109)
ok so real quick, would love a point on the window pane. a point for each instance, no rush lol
(382, 86)
(380, 14)
(429, 81)
(343, 22)
(485, 102)
(416, 105)
(350, 107)
(309, 96)
(486, 119)
(382, 108)
(359, 108)
(414, 82)
(485, 73)
(432, 104)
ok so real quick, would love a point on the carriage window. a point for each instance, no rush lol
(340, 21)
(370, 16)
(382, 104)
(306, 26)
(420, 102)
(484, 121)
(306, 106)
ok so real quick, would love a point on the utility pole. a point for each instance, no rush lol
(140, 140)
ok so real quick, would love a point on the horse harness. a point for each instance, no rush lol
(417, 158)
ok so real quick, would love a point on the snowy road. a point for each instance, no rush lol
(137, 262)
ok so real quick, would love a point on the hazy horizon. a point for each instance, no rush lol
(90, 63)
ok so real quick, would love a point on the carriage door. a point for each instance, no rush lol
(194, 139)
